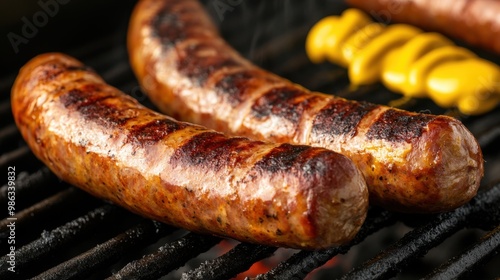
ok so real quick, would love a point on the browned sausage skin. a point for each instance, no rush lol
(97, 138)
(476, 22)
(412, 162)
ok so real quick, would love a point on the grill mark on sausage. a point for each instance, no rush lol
(175, 22)
(341, 117)
(50, 71)
(287, 102)
(280, 159)
(83, 96)
(237, 87)
(198, 61)
(211, 150)
(316, 165)
(93, 104)
(151, 132)
(169, 29)
(398, 126)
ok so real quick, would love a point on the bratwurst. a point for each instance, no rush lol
(99, 139)
(412, 162)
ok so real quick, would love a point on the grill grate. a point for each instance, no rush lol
(167, 258)
(99, 256)
(58, 238)
(420, 240)
(468, 260)
(64, 233)
(304, 262)
(240, 258)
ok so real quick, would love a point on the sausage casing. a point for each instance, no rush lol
(97, 138)
(476, 22)
(412, 162)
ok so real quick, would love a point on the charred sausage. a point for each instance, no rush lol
(97, 138)
(476, 22)
(412, 162)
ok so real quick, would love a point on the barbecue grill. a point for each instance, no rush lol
(63, 233)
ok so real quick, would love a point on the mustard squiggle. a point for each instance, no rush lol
(406, 60)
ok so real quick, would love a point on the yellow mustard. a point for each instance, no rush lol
(406, 60)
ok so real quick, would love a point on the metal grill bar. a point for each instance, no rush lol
(5, 85)
(489, 137)
(30, 187)
(419, 241)
(18, 155)
(49, 206)
(5, 109)
(302, 263)
(237, 260)
(7, 134)
(101, 255)
(168, 258)
(462, 265)
(58, 238)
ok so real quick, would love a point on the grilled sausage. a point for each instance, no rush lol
(97, 138)
(476, 22)
(412, 162)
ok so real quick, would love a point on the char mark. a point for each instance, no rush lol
(341, 117)
(281, 158)
(398, 126)
(152, 132)
(237, 87)
(199, 61)
(287, 102)
(168, 29)
(94, 104)
(51, 70)
(212, 150)
(175, 22)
